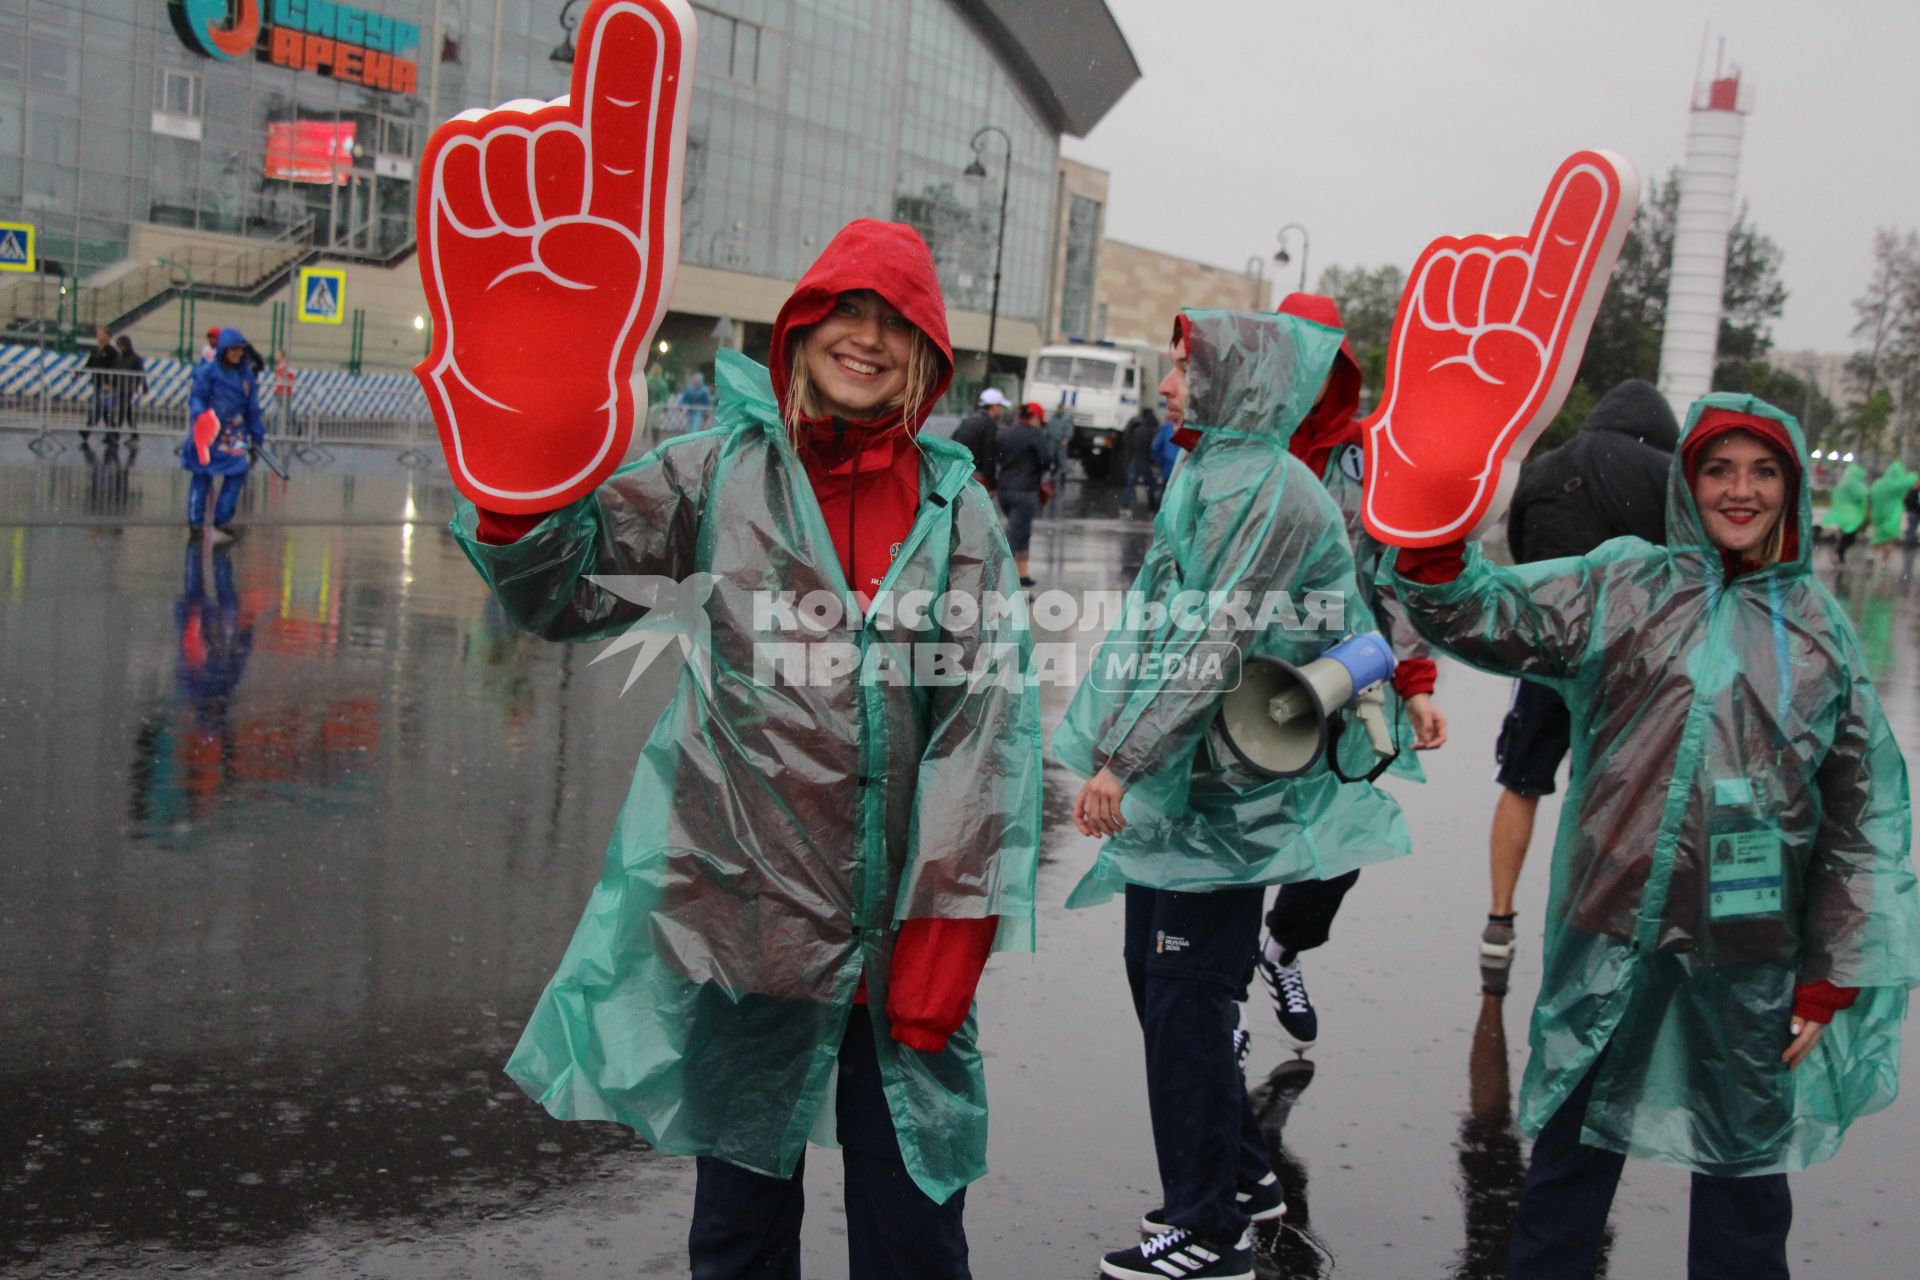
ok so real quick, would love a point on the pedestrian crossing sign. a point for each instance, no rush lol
(323, 295)
(16, 246)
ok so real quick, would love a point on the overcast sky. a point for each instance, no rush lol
(1380, 125)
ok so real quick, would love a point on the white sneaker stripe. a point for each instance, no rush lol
(1168, 1268)
(1204, 1255)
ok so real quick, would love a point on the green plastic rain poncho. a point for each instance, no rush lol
(1887, 503)
(1847, 509)
(1732, 716)
(1249, 557)
(776, 833)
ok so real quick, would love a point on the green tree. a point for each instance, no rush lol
(1368, 300)
(1886, 369)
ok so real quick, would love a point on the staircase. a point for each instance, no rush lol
(40, 306)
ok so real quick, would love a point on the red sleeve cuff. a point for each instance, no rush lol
(936, 968)
(1415, 676)
(1432, 566)
(498, 528)
(1819, 1001)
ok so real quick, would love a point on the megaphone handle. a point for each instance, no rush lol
(1392, 753)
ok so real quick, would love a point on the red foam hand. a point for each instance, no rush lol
(549, 233)
(206, 429)
(1485, 346)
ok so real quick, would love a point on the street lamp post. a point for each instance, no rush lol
(978, 170)
(183, 352)
(1282, 256)
(563, 52)
(1257, 272)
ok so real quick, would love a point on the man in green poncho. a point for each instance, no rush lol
(1249, 559)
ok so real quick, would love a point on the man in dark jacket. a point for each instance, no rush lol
(1609, 481)
(102, 365)
(1138, 442)
(979, 433)
(1024, 457)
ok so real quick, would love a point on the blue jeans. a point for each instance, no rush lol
(224, 506)
(747, 1225)
(1189, 958)
(1736, 1230)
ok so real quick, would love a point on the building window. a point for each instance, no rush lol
(177, 93)
(730, 48)
(1076, 286)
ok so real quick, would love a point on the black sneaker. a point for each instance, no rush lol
(1291, 1004)
(1262, 1202)
(1181, 1255)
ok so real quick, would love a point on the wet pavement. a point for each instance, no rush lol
(293, 831)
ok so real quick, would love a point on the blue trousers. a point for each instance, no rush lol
(747, 1225)
(223, 507)
(1736, 1230)
(1141, 471)
(1189, 958)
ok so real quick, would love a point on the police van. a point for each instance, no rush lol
(1098, 387)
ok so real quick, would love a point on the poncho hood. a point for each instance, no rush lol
(893, 261)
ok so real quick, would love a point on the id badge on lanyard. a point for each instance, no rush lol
(1745, 872)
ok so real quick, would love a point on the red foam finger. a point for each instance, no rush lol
(1433, 276)
(629, 80)
(1507, 285)
(1469, 283)
(560, 172)
(461, 189)
(508, 178)
(1573, 221)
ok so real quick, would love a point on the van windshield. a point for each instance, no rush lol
(1077, 371)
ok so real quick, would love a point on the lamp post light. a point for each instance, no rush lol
(1256, 271)
(563, 52)
(979, 170)
(1283, 258)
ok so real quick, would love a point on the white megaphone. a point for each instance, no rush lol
(1281, 719)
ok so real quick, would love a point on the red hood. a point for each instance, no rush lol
(1329, 424)
(889, 258)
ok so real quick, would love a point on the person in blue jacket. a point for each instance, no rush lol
(225, 385)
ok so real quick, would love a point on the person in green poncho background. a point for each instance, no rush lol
(1249, 558)
(1733, 923)
(1847, 509)
(1886, 507)
(811, 868)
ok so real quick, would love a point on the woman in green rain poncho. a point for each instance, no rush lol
(1733, 924)
(820, 847)
(1249, 558)
(1847, 509)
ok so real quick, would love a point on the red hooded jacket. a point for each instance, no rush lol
(866, 478)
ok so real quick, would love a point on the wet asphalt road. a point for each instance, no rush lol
(292, 833)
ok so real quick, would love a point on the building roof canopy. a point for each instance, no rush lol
(1069, 55)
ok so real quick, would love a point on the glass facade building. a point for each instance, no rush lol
(118, 128)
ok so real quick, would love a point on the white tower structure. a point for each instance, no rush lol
(1689, 346)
